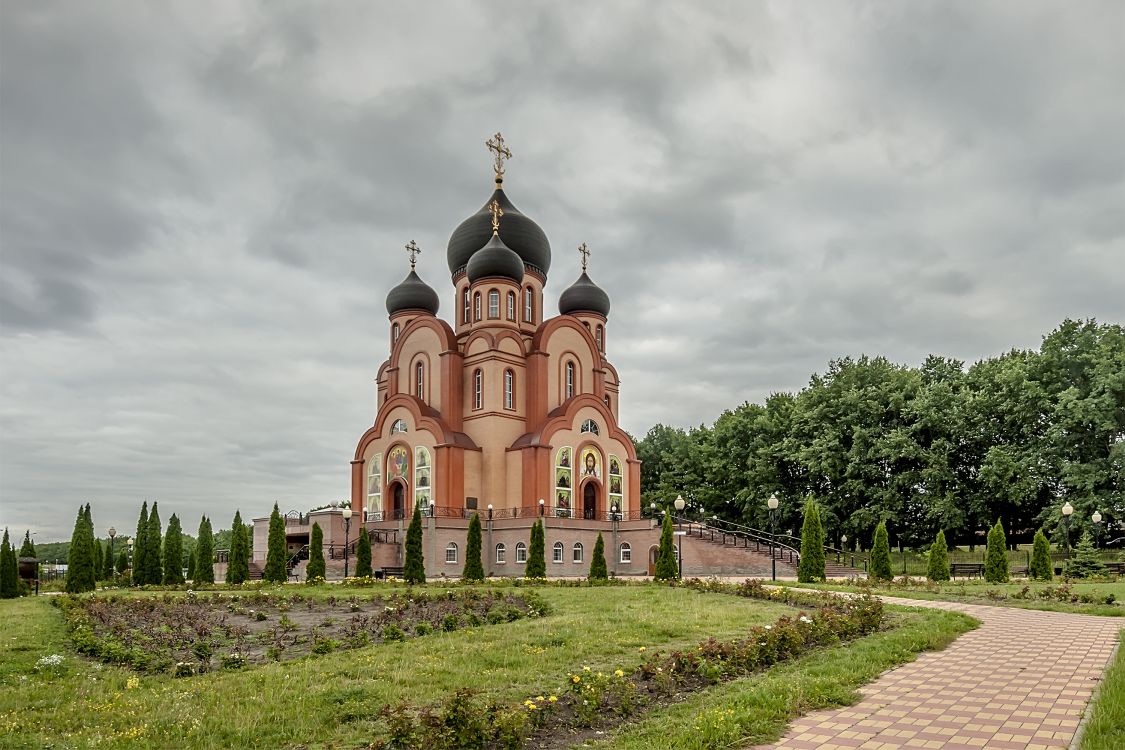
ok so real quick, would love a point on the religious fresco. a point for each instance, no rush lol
(422, 477)
(564, 481)
(375, 484)
(590, 463)
(398, 461)
(616, 483)
(614, 466)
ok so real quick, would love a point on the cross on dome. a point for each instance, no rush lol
(496, 145)
(497, 212)
(585, 253)
(415, 251)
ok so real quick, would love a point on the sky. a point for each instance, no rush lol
(203, 206)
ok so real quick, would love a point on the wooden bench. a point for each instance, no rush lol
(1115, 567)
(390, 571)
(966, 569)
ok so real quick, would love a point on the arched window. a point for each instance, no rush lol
(527, 308)
(493, 304)
(576, 552)
(509, 389)
(521, 553)
(626, 553)
(590, 426)
(478, 389)
(394, 333)
(606, 399)
(557, 551)
(465, 305)
(599, 336)
(451, 553)
(476, 306)
(501, 554)
(420, 381)
(399, 425)
(569, 379)
(511, 306)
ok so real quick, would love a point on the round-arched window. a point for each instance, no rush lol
(590, 426)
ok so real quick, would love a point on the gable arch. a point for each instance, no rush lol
(447, 340)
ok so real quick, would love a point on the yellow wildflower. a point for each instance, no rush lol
(619, 673)
(575, 678)
(553, 698)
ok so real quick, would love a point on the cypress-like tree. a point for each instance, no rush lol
(238, 559)
(536, 555)
(598, 570)
(363, 554)
(192, 568)
(474, 570)
(414, 570)
(140, 548)
(107, 565)
(9, 583)
(1085, 562)
(155, 572)
(275, 549)
(1041, 568)
(667, 566)
(204, 571)
(316, 567)
(28, 548)
(996, 558)
(938, 569)
(811, 566)
(174, 552)
(80, 559)
(122, 560)
(880, 568)
(99, 556)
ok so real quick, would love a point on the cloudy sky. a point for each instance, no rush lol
(203, 205)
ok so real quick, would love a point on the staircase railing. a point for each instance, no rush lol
(843, 557)
(727, 532)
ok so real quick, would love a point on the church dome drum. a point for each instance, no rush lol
(518, 232)
(412, 294)
(495, 259)
(584, 296)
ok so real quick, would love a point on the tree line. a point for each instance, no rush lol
(921, 449)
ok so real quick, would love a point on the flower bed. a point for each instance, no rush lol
(195, 633)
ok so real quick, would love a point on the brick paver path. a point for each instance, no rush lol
(1020, 680)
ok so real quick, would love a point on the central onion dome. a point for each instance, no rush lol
(412, 294)
(584, 296)
(518, 232)
(495, 259)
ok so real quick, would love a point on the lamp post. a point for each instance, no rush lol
(490, 511)
(130, 557)
(772, 505)
(679, 506)
(542, 505)
(1097, 519)
(1066, 511)
(113, 567)
(347, 514)
(652, 509)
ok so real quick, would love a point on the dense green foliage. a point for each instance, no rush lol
(107, 563)
(363, 554)
(1041, 568)
(316, 567)
(99, 555)
(122, 560)
(940, 446)
(667, 566)
(204, 553)
(140, 547)
(474, 570)
(174, 552)
(811, 566)
(598, 569)
(192, 568)
(80, 563)
(938, 568)
(536, 554)
(9, 584)
(996, 559)
(1084, 563)
(154, 572)
(275, 549)
(414, 569)
(880, 564)
(238, 565)
(28, 548)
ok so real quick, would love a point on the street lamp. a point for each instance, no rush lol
(772, 505)
(541, 506)
(652, 509)
(490, 511)
(1097, 519)
(347, 514)
(113, 568)
(1066, 511)
(130, 557)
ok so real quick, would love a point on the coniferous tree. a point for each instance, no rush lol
(536, 554)
(316, 567)
(811, 566)
(122, 560)
(28, 548)
(99, 556)
(275, 549)
(107, 566)
(667, 566)
(174, 552)
(363, 554)
(192, 571)
(414, 569)
(1085, 562)
(1041, 568)
(9, 583)
(204, 571)
(996, 558)
(140, 548)
(238, 558)
(80, 559)
(155, 572)
(474, 570)
(881, 555)
(598, 569)
(938, 569)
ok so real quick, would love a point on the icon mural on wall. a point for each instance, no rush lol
(614, 465)
(397, 463)
(589, 463)
(616, 498)
(375, 484)
(422, 471)
(564, 481)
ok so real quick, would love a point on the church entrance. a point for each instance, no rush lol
(590, 501)
(653, 551)
(398, 508)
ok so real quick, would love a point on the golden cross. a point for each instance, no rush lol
(585, 255)
(497, 212)
(496, 143)
(414, 250)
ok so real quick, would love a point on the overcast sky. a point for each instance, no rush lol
(203, 206)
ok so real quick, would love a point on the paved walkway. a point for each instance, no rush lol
(1021, 680)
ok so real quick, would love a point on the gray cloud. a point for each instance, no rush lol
(202, 208)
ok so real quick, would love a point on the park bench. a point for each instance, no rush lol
(1115, 567)
(388, 571)
(966, 569)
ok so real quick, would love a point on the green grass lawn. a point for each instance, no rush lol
(330, 701)
(1106, 729)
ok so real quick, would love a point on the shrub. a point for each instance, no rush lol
(1085, 562)
(598, 570)
(536, 560)
(996, 558)
(880, 568)
(939, 559)
(473, 570)
(393, 632)
(414, 570)
(667, 567)
(1041, 568)
(811, 566)
(275, 550)
(316, 566)
(363, 554)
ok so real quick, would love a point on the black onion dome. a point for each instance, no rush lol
(412, 294)
(495, 259)
(584, 296)
(519, 233)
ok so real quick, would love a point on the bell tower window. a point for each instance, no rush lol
(569, 379)
(478, 389)
(465, 305)
(509, 389)
(511, 306)
(420, 381)
(476, 306)
(599, 336)
(527, 306)
(395, 331)
(493, 304)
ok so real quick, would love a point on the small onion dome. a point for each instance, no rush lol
(412, 294)
(584, 296)
(519, 233)
(495, 259)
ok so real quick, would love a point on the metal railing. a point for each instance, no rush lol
(728, 532)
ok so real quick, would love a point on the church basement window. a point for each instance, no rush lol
(557, 552)
(521, 553)
(501, 554)
(451, 553)
(577, 553)
(626, 553)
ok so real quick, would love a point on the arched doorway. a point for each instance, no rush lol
(653, 551)
(398, 501)
(590, 501)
